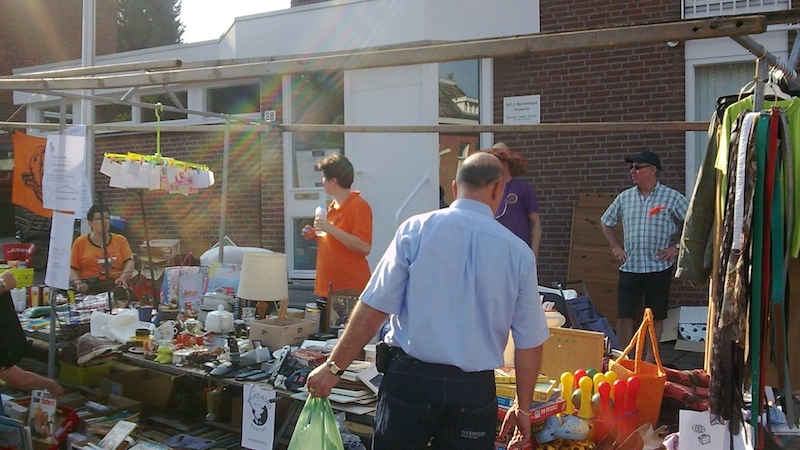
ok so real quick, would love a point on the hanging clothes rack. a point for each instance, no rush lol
(764, 62)
(771, 286)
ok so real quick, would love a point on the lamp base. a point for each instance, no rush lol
(261, 309)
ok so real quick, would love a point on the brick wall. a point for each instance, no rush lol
(644, 83)
(195, 218)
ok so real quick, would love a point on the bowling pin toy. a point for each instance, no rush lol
(566, 391)
(598, 378)
(603, 421)
(604, 389)
(620, 386)
(580, 373)
(632, 391)
(585, 411)
(611, 377)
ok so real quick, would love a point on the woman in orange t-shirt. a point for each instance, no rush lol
(88, 258)
(342, 252)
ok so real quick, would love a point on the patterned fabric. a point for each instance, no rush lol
(650, 224)
(735, 298)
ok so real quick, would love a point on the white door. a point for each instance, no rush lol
(397, 173)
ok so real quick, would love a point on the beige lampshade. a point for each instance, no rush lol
(263, 277)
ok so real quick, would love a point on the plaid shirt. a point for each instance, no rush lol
(649, 224)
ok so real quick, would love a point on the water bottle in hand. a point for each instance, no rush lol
(321, 213)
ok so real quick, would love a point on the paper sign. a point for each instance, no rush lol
(58, 253)
(258, 417)
(697, 433)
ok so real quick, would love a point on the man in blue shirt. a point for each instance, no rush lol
(453, 283)
(652, 220)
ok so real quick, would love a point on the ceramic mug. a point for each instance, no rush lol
(167, 330)
(192, 326)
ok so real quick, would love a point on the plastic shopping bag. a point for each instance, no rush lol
(316, 427)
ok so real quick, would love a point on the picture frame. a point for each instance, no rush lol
(339, 306)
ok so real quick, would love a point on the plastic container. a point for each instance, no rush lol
(83, 376)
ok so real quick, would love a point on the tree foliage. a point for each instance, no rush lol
(148, 23)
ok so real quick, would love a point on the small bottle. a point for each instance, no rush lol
(320, 213)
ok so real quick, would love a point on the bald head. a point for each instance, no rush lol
(480, 177)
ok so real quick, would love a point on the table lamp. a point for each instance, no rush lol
(264, 279)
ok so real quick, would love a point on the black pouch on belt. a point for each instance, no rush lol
(382, 356)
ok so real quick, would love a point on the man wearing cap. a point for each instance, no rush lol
(652, 220)
(519, 210)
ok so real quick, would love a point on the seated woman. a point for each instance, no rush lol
(14, 375)
(89, 271)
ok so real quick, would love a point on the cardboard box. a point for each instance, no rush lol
(149, 387)
(694, 317)
(114, 403)
(162, 248)
(275, 336)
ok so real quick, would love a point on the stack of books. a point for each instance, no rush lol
(547, 399)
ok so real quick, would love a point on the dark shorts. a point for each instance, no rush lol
(421, 403)
(654, 286)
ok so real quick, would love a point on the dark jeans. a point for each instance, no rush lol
(421, 403)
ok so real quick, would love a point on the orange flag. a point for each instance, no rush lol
(26, 187)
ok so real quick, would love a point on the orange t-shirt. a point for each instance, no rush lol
(336, 263)
(87, 257)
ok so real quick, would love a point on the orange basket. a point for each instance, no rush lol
(652, 377)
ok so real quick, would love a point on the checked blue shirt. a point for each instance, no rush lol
(649, 224)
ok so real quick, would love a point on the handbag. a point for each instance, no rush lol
(183, 283)
(651, 376)
(13, 344)
(316, 427)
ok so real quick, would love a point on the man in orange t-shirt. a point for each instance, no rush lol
(342, 251)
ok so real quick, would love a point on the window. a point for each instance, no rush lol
(52, 114)
(459, 103)
(243, 99)
(112, 113)
(693, 9)
(149, 115)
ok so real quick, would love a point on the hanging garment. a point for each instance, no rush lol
(725, 398)
(694, 257)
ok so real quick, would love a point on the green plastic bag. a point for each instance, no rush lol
(316, 427)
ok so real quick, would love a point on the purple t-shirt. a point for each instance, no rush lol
(519, 201)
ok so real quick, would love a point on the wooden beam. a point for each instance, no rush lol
(577, 127)
(108, 68)
(539, 44)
